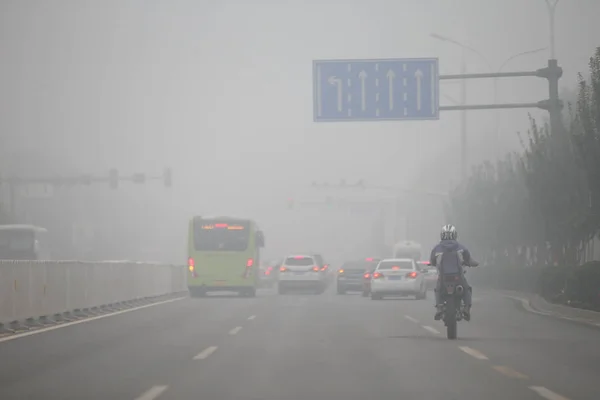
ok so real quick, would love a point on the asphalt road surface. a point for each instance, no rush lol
(304, 347)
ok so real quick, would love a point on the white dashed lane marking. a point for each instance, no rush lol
(235, 330)
(547, 393)
(153, 393)
(250, 318)
(206, 352)
(432, 330)
(408, 317)
(511, 373)
(473, 353)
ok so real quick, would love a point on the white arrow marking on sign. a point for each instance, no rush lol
(333, 80)
(418, 77)
(391, 75)
(363, 75)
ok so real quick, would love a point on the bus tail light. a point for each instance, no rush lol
(249, 264)
(192, 267)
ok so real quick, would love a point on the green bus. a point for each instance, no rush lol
(224, 255)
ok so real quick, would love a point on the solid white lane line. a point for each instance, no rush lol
(473, 353)
(408, 317)
(206, 352)
(235, 330)
(432, 330)
(547, 393)
(250, 318)
(81, 321)
(153, 393)
(510, 372)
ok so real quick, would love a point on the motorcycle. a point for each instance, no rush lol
(452, 302)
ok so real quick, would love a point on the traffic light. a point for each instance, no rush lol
(168, 177)
(113, 178)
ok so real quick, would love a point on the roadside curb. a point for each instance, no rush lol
(529, 305)
(44, 322)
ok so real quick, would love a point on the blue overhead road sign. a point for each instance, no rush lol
(376, 90)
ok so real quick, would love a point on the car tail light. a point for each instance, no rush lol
(411, 275)
(267, 272)
(282, 269)
(324, 267)
(341, 271)
(367, 275)
(377, 275)
(249, 263)
(369, 259)
(315, 268)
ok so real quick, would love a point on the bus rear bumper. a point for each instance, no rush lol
(196, 291)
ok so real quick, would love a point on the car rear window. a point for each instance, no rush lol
(355, 266)
(403, 265)
(299, 261)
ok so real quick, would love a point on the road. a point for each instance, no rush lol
(304, 346)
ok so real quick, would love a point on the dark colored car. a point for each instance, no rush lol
(351, 276)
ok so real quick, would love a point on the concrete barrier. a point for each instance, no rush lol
(40, 291)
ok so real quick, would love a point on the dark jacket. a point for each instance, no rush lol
(451, 255)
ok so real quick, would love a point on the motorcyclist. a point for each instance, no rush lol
(450, 257)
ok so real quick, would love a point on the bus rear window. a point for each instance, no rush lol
(211, 235)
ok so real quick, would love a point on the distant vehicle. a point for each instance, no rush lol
(351, 275)
(398, 277)
(224, 255)
(301, 272)
(407, 249)
(24, 242)
(267, 275)
(431, 274)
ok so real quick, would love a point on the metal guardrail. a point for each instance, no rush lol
(39, 292)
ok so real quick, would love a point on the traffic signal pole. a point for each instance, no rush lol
(552, 73)
(112, 179)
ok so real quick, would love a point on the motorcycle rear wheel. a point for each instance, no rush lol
(450, 320)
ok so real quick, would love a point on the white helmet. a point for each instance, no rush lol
(448, 232)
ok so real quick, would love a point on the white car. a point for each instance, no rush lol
(301, 272)
(398, 277)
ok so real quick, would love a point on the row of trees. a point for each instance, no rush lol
(540, 205)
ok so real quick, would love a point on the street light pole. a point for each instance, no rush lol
(551, 4)
(463, 119)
